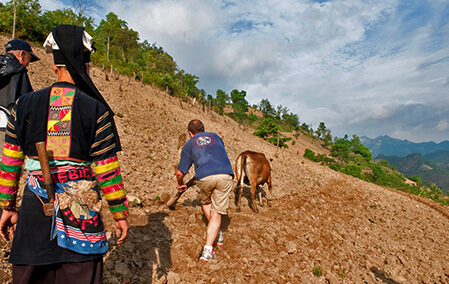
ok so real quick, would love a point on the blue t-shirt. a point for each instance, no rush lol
(207, 152)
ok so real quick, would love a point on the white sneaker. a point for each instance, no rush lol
(207, 255)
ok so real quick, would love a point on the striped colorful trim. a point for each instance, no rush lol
(106, 175)
(106, 161)
(107, 125)
(110, 181)
(115, 195)
(109, 137)
(120, 215)
(102, 151)
(112, 188)
(106, 114)
(107, 167)
(10, 170)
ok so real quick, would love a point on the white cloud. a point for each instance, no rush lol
(359, 66)
(443, 125)
(51, 5)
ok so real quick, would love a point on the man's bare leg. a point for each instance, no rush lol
(213, 227)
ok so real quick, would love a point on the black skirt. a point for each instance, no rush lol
(90, 272)
(32, 245)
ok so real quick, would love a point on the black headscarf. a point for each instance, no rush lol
(71, 53)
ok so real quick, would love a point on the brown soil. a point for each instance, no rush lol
(323, 227)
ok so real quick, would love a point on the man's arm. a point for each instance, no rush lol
(180, 178)
(10, 170)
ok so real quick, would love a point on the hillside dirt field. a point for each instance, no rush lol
(323, 226)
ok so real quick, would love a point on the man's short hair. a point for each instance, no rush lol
(195, 126)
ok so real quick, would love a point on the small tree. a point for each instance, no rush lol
(341, 149)
(358, 148)
(281, 111)
(266, 108)
(220, 101)
(354, 170)
(267, 128)
(252, 118)
(327, 139)
(306, 128)
(321, 130)
(292, 119)
(239, 104)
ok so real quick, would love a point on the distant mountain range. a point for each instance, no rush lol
(395, 147)
(429, 160)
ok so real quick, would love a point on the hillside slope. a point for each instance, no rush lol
(321, 220)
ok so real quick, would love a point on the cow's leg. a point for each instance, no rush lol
(253, 203)
(259, 190)
(239, 202)
(269, 193)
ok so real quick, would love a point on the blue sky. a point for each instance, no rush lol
(372, 67)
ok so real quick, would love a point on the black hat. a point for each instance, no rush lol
(71, 46)
(18, 44)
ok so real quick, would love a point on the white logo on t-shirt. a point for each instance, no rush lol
(203, 141)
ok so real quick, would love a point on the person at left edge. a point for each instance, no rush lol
(14, 80)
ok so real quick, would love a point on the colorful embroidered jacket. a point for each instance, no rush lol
(78, 132)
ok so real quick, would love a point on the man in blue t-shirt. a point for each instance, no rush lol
(214, 175)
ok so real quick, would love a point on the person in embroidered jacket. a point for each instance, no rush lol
(214, 175)
(77, 125)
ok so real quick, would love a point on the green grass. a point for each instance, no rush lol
(318, 271)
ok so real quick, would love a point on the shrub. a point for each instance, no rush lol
(335, 166)
(416, 179)
(282, 140)
(354, 170)
(309, 154)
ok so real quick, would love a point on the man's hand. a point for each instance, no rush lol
(121, 231)
(180, 177)
(182, 188)
(8, 223)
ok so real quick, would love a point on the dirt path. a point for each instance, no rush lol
(323, 227)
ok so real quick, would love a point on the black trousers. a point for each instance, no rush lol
(90, 272)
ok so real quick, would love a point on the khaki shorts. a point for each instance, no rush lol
(215, 189)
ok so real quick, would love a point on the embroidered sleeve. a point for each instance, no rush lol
(104, 144)
(110, 182)
(11, 166)
(107, 167)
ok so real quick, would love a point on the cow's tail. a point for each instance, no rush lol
(240, 170)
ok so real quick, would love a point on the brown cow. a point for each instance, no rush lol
(254, 168)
